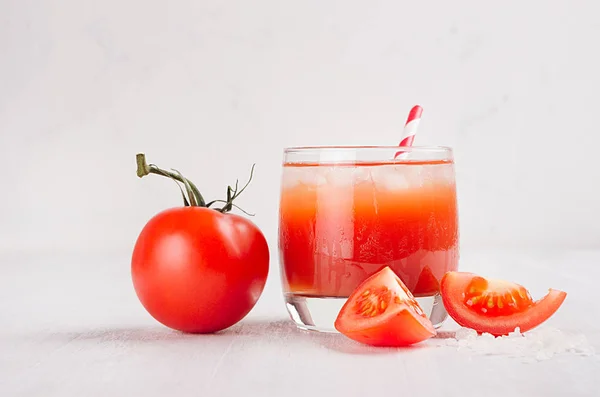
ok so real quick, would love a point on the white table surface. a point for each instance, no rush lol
(72, 326)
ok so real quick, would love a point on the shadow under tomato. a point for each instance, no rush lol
(285, 331)
(158, 332)
(163, 333)
(120, 335)
(341, 344)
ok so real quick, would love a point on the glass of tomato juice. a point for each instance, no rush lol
(346, 212)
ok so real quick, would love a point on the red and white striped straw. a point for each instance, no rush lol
(412, 123)
(410, 128)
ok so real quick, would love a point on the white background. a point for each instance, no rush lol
(211, 87)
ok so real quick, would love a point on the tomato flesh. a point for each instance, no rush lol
(383, 312)
(495, 306)
(496, 297)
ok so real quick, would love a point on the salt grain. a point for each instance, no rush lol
(539, 344)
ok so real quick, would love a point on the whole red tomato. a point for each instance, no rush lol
(198, 269)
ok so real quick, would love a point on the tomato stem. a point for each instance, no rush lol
(194, 196)
(232, 194)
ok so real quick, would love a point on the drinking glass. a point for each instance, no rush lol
(347, 212)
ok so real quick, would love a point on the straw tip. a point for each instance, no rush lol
(415, 112)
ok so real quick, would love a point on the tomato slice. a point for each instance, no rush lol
(383, 312)
(427, 284)
(495, 306)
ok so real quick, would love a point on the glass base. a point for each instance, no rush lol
(314, 313)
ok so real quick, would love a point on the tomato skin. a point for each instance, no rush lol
(383, 312)
(197, 270)
(453, 287)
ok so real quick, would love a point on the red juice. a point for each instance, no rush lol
(341, 222)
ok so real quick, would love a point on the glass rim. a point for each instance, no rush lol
(345, 148)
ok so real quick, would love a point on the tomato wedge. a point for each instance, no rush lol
(383, 312)
(495, 306)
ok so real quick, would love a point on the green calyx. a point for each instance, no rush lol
(191, 195)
